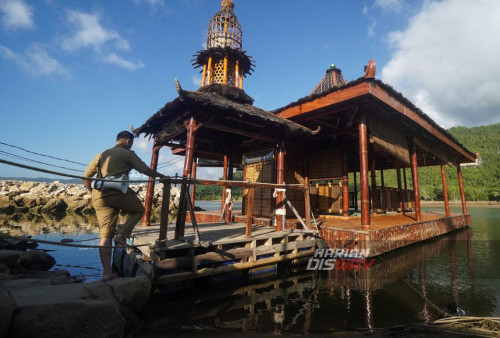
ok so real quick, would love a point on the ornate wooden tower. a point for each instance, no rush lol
(224, 61)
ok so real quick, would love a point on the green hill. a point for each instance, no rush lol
(482, 183)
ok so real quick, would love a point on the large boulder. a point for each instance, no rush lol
(84, 318)
(36, 260)
(7, 308)
(99, 309)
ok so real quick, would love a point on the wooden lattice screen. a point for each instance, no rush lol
(263, 172)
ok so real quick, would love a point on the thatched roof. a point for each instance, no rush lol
(220, 109)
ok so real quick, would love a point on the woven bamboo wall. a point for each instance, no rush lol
(327, 164)
(326, 198)
(263, 199)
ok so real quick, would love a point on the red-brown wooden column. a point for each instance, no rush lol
(363, 174)
(280, 179)
(345, 185)
(400, 188)
(445, 191)
(374, 183)
(229, 190)
(148, 202)
(307, 195)
(188, 167)
(414, 175)
(462, 191)
(224, 177)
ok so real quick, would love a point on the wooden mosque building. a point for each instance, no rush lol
(304, 165)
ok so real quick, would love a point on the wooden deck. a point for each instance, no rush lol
(222, 249)
(388, 231)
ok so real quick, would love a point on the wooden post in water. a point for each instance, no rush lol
(445, 191)
(280, 195)
(345, 185)
(462, 191)
(414, 175)
(151, 188)
(188, 166)
(363, 173)
(224, 177)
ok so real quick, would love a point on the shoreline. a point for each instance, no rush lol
(486, 204)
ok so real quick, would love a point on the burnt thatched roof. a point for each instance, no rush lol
(223, 109)
(245, 62)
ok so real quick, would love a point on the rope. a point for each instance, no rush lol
(25, 239)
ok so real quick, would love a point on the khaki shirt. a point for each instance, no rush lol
(115, 162)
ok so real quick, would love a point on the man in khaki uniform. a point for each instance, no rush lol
(113, 163)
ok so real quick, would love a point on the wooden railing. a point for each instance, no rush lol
(251, 186)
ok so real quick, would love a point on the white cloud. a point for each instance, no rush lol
(35, 61)
(144, 144)
(16, 14)
(88, 32)
(393, 6)
(196, 79)
(117, 60)
(446, 61)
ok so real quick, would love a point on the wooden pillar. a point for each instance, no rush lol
(462, 191)
(405, 196)
(148, 203)
(229, 190)
(188, 166)
(345, 185)
(280, 179)
(414, 175)
(383, 195)
(354, 174)
(224, 177)
(250, 197)
(375, 205)
(363, 173)
(193, 186)
(307, 196)
(400, 189)
(445, 191)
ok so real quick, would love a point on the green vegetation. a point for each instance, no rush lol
(212, 192)
(482, 183)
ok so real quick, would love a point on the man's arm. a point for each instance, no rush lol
(90, 172)
(142, 167)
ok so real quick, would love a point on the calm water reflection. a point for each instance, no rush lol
(461, 267)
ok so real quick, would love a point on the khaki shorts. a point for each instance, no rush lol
(108, 208)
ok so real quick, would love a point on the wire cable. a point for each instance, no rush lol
(50, 156)
(35, 161)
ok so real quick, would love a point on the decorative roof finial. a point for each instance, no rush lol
(227, 4)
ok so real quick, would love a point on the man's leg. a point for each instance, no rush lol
(130, 204)
(105, 255)
(107, 217)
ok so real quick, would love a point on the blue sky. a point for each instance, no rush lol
(74, 73)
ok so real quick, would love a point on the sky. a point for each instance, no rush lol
(74, 73)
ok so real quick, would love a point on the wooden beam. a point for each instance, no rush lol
(327, 100)
(240, 132)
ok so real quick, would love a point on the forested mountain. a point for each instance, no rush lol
(481, 183)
